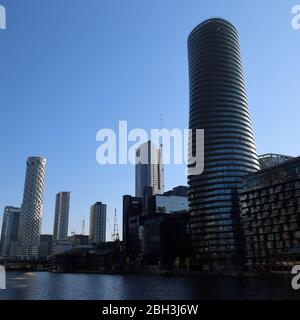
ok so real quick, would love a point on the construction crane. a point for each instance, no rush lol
(115, 235)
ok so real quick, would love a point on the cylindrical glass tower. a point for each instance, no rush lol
(218, 104)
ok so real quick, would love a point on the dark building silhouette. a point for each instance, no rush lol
(164, 237)
(106, 257)
(156, 228)
(180, 191)
(218, 104)
(78, 240)
(132, 210)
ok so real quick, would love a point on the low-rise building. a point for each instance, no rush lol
(156, 227)
(45, 247)
(164, 237)
(272, 159)
(78, 240)
(61, 246)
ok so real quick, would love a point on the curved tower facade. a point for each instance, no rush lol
(218, 104)
(31, 209)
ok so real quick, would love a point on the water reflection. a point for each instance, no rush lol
(44, 286)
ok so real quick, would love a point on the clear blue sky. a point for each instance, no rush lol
(69, 68)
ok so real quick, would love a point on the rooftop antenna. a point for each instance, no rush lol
(115, 235)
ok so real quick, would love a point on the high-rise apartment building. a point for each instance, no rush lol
(218, 104)
(9, 234)
(61, 220)
(31, 208)
(271, 217)
(97, 232)
(148, 169)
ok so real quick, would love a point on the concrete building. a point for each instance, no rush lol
(31, 208)
(45, 248)
(9, 233)
(97, 232)
(61, 220)
(272, 159)
(218, 105)
(148, 169)
(271, 217)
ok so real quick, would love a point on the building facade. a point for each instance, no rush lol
(170, 204)
(97, 233)
(45, 248)
(62, 245)
(149, 169)
(272, 159)
(61, 220)
(31, 208)
(180, 191)
(218, 104)
(271, 217)
(79, 240)
(132, 209)
(9, 233)
(151, 224)
(164, 237)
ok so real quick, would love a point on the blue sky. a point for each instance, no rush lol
(69, 68)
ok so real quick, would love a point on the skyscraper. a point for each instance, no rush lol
(61, 220)
(218, 104)
(98, 223)
(9, 234)
(31, 208)
(148, 169)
